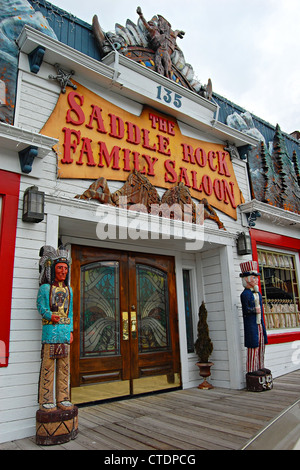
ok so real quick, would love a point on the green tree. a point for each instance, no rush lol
(203, 344)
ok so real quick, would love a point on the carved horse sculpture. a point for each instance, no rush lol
(140, 195)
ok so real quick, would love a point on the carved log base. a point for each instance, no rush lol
(259, 381)
(56, 427)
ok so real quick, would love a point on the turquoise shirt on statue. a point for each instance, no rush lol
(58, 299)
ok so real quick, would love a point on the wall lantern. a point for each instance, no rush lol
(33, 205)
(244, 244)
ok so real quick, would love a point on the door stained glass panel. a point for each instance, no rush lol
(152, 309)
(100, 310)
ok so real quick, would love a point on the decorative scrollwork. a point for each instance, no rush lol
(63, 78)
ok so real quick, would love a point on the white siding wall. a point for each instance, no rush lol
(214, 301)
(18, 382)
(283, 358)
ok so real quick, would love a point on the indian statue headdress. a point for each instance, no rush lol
(49, 257)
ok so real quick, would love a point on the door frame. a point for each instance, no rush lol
(140, 365)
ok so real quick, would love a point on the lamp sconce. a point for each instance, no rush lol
(33, 205)
(26, 157)
(243, 244)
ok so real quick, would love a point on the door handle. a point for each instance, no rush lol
(125, 326)
(133, 325)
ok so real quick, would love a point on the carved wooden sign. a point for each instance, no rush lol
(99, 139)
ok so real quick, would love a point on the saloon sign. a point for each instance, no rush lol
(98, 139)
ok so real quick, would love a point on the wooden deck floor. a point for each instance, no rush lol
(185, 420)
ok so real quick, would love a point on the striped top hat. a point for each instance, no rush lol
(249, 268)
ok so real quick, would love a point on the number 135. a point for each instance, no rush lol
(168, 96)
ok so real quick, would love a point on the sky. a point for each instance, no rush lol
(248, 48)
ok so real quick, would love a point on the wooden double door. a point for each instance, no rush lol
(126, 338)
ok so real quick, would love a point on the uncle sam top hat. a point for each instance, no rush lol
(249, 268)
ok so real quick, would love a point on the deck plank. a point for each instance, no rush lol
(189, 419)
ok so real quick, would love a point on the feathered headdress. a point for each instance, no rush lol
(49, 257)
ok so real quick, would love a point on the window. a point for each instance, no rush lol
(188, 310)
(100, 310)
(153, 309)
(280, 289)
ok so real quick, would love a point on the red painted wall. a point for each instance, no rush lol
(9, 192)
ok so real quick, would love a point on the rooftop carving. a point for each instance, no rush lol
(14, 14)
(274, 174)
(153, 44)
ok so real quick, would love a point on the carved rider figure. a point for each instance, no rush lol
(55, 305)
(162, 41)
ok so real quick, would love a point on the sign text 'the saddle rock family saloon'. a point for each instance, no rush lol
(98, 139)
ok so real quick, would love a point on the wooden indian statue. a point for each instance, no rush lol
(55, 305)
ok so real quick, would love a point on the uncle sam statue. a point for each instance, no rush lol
(254, 326)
